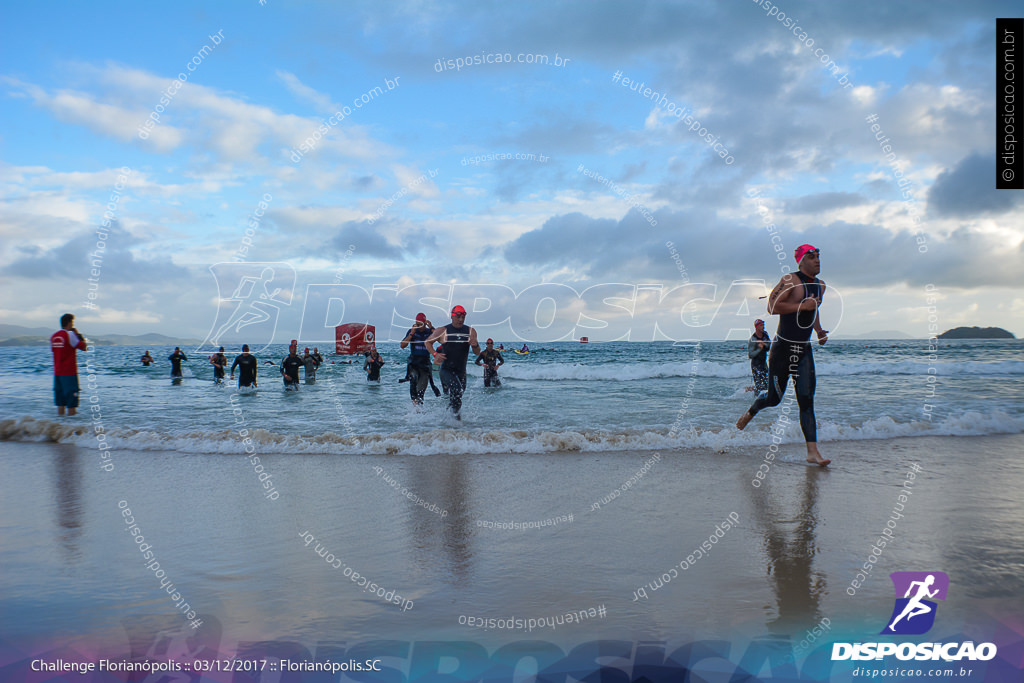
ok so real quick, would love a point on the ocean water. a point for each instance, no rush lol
(567, 397)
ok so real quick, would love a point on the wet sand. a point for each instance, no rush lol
(715, 555)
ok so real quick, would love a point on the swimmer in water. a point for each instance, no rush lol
(757, 351)
(491, 360)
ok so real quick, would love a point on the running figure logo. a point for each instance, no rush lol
(914, 613)
(251, 296)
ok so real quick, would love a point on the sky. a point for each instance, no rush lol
(163, 166)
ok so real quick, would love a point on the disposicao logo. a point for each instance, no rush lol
(914, 614)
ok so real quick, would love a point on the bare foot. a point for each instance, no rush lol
(72, 411)
(813, 456)
(744, 419)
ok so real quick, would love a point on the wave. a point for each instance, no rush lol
(624, 371)
(469, 441)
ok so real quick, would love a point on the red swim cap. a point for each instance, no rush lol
(803, 249)
(421, 317)
(459, 309)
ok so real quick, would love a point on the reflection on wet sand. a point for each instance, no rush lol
(791, 546)
(444, 542)
(68, 482)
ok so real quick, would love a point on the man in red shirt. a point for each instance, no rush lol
(64, 343)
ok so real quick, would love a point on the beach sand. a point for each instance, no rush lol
(73, 574)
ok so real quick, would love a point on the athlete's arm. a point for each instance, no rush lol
(405, 342)
(501, 361)
(822, 334)
(786, 297)
(472, 340)
(479, 359)
(81, 340)
(436, 335)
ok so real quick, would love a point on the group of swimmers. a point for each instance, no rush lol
(795, 299)
(453, 341)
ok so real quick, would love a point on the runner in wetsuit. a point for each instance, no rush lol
(290, 365)
(795, 300)
(418, 372)
(247, 366)
(757, 351)
(372, 365)
(176, 359)
(310, 363)
(219, 362)
(457, 338)
(491, 360)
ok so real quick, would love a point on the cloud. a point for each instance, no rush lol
(824, 201)
(367, 241)
(321, 102)
(76, 257)
(968, 189)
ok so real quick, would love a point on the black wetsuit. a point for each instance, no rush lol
(489, 359)
(419, 372)
(759, 360)
(453, 369)
(791, 356)
(372, 365)
(147, 360)
(219, 361)
(176, 359)
(247, 365)
(290, 365)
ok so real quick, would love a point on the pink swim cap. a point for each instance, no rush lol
(803, 249)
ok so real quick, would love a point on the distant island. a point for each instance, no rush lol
(976, 333)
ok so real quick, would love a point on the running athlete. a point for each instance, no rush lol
(176, 359)
(309, 362)
(795, 300)
(457, 338)
(757, 351)
(65, 344)
(372, 365)
(219, 361)
(491, 360)
(418, 371)
(290, 365)
(146, 359)
(247, 366)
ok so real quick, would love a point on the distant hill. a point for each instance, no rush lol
(7, 330)
(976, 333)
(25, 340)
(16, 335)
